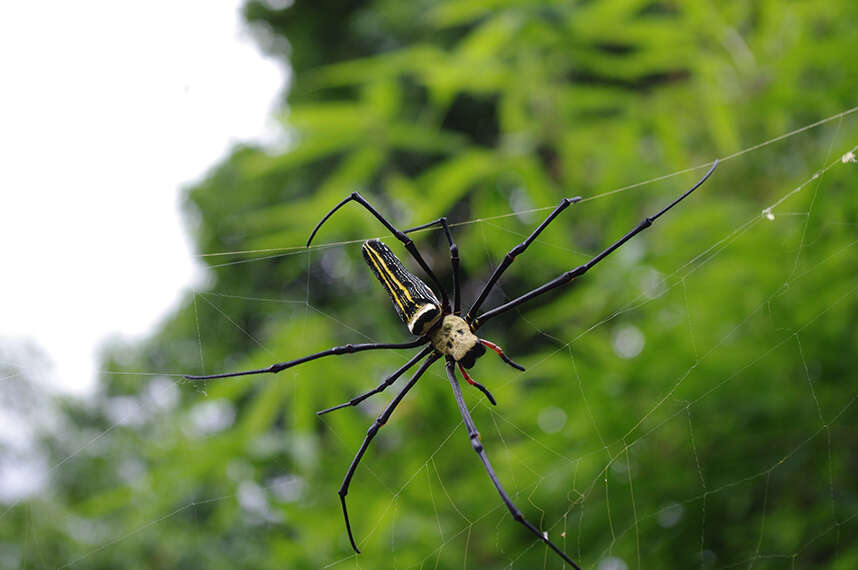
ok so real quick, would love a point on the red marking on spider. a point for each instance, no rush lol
(503, 356)
(493, 346)
(465, 374)
(477, 385)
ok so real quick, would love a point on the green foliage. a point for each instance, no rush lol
(725, 439)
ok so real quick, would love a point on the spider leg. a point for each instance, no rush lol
(474, 436)
(582, 269)
(370, 434)
(381, 387)
(477, 385)
(454, 258)
(500, 353)
(514, 252)
(398, 234)
(344, 349)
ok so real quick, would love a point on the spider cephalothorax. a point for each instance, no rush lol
(441, 331)
(453, 337)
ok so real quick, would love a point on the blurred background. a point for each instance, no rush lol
(690, 403)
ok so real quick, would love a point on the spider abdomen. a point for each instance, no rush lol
(454, 338)
(414, 301)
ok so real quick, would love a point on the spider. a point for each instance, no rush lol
(439, 326)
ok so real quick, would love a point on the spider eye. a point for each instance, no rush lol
(472, 355)
(424, 319)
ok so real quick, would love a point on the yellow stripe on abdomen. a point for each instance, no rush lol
(391, 283)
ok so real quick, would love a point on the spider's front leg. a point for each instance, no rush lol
(477, 444)
(568, 276)
(454, 259)
(515, 252)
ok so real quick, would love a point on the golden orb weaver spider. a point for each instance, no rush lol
(439, 325)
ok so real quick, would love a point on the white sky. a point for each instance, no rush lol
(106, 110)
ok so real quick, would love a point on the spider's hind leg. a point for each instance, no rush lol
(398, 234)
(343, 349)
(454, 259)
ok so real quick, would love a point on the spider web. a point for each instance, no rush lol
(601, 475)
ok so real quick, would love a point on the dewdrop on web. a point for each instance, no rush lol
(768, 214)
(848, 157)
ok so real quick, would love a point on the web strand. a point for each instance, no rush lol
(584, 497)
(292, 250)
